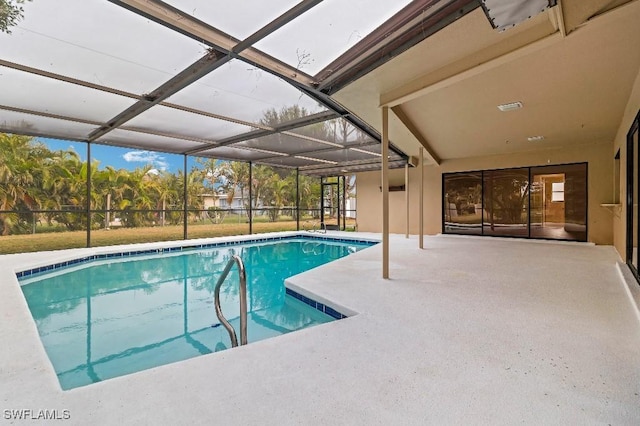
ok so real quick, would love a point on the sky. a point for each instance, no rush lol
(120, 158)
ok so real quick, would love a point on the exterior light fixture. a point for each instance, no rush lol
(366, 152)
(319, 160)
(504, 14)
(535, 138)
(510, 106)
(266, 151)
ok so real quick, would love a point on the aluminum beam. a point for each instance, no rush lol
(224, 47)
(190, 26)
(197, 70)
(49, 115)
(412, 25)
(339, 169)
(315, 151)
(202, 32)
(283, 127)
(130, 95)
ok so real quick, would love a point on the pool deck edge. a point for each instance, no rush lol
(479, 331)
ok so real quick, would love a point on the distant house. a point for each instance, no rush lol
(219, 200)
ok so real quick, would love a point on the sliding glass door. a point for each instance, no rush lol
(558, 202)
(506, 202)
(546, 202)
(633, 188)
(462, 203)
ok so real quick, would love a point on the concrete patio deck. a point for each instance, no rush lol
(468, 330)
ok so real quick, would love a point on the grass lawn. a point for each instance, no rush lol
(108, 237)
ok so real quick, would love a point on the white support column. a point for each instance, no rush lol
(385, 192)
(421, 231)
(406, 197)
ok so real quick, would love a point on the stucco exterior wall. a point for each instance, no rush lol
(620, 143)
(600, 189)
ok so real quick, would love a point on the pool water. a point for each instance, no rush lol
(108, 318)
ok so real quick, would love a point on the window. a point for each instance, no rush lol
(557, 191)
(548, 202)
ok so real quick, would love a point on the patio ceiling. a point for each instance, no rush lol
(199, 78)
(573, 68)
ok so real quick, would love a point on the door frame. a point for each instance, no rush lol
(632, 157)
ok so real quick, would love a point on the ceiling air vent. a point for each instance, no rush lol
(510, 106)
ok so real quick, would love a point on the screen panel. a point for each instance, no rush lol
(29, 124)
(316, 38)
(147, 141)
(41, 94)
(98, 42)
(238, 19)
(176, 122)
(337, 130)
(244, 92)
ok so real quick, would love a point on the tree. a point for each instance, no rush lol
(138, 195)
(261, 186)
(309, 188)
(107, 190)
(281, 191)
(171, 197)
(20, 158)
(10, 13)
(63, 184)
(343, 132)
(276, 194)
(233, 176)
(195, 189)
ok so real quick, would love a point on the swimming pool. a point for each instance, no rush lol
(109, 315)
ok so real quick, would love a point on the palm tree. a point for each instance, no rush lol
(309, 188)
(232, 176)
(63, 180)
(195, 189)
(17, 161)
(281, 189)
(170, 197)
(108, 188)
(138, 198)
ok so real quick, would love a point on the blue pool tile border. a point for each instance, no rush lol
(316, 305)
(84, 259)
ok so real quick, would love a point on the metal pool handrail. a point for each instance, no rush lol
(243, 301)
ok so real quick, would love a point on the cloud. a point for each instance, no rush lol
(147, 157)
